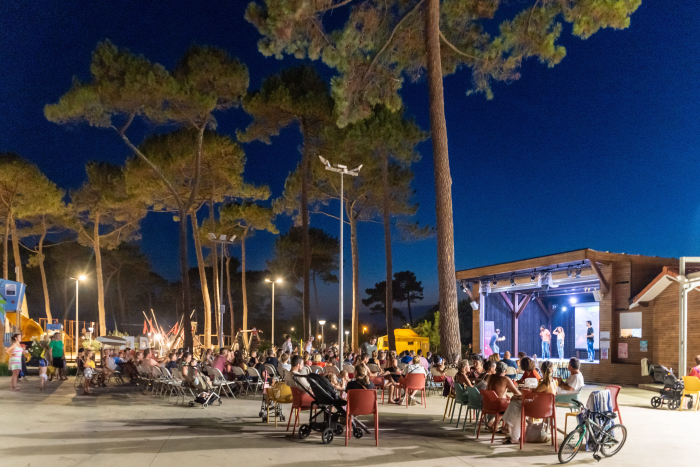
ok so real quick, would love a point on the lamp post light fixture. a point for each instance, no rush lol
(77, 280)
(342, 170)
(272, 335)
(222, 240)
(322, 322)
(346, 340)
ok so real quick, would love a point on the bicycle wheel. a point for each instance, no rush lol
(573, 441)
(615, 438)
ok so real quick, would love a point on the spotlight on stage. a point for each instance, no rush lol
(568, 272)
(563, 308)
(512, 279)
(578, 272)
(495, 281)
(464, 287)
(573, 300)
(532, 277)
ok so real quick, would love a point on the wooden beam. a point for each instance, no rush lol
(604, 288)
(522, 306)
(507, 299)
(542, 305)
(515, 328)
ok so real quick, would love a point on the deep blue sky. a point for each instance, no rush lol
(600, 151)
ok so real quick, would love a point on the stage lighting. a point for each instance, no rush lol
(474, 305)
(578, 272)
(573, 300)
(464, 287)
(495, 281)
(563, 308)
(512, 279)
(532, 277)
(568, 272)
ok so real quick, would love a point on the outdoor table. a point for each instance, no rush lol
(566, 397)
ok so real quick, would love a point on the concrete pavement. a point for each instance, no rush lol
(121, 427)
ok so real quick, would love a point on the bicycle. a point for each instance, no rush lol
(601, 434)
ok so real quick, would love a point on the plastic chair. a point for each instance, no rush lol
(362, 402)
(475, 403)
(350, 369)
(449, 403)
(379, 383)
(692, 388)
(539, 405)
(491, 405)
(451, 372)
(614, 391)
(300, 402)
(330, 369)
(373, 368)
(316, 369)
(461, 397)
(414, 382)
(280, 393)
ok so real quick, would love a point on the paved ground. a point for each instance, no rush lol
(121, 427)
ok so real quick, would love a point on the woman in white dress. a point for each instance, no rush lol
(511, 417)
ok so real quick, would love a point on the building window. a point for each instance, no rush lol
(631, 324)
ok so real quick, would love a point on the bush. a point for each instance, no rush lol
(5, 370)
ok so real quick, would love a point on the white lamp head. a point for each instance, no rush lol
(212, 236)
(82, 277)
(322, 322)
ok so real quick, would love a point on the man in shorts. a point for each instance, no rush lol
(59, 362)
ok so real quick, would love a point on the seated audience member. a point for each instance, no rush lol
(511, 417)
(362, 379)
(374, 358)
(208, 357)
(575, 380)
(307, 359)
(335, 382)
(407, 358)
(391, 376)
(477, 367)
(500, 383)
(220, 362)
(296, 366)
(423, 361)
(238, 361)
(462, 376)
(283, 367)
(148, 359)
(494, 357)
(318, 362)
(272, 359)
(695, 371)
(382, 358)
(483, 380)
(438, 364)
(344, 378)
(172, 361)
(509, 361)
(253, 359)
(414, 368)
(528, 366)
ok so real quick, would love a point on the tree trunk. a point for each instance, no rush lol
(316, 314)
(246, 342)
(184, 272)
(306, 246)
(19, 277)
(202, 279)
(5, 250)
(408, 302)
(66, 275)
(355, 328)
(98, 277)
(44, 282)
(120, 297)
(230, 300)
(215, 274)
(449, 321)
(387, 248)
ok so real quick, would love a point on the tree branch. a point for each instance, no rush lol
(452, 46)
(391, 37)
(337, 5)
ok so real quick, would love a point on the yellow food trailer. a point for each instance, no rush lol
(406, 339)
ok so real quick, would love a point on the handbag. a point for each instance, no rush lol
(536, 432)
(88, 372)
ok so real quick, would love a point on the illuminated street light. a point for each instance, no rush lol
(222, 240)
(80, 279)
(272, 336)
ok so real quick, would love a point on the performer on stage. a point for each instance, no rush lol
(559, 332)
(590, 338)
(546, 338)
(494, 342)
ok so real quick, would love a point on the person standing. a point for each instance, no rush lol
(695, 371)
(546, 339)
(59, 362)
(15, 364)
(590, 339)
(493, 343)
(559, 332)
(309, 345)
(287, 346)
(369, 347)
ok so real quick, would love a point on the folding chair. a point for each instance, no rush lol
(218, 380)
(316, 369)
(332, 370)
(259, 383)
(241, 377)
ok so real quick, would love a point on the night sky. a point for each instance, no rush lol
(600, 151)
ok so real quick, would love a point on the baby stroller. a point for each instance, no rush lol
(325, 399)
(206, 397)
(672, 392)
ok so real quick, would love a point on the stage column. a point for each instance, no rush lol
(515, 326)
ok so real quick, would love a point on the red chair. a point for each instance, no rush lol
(300, 402)
(492, 405)
(379, 384)
(362, 402)
(614, 391)
(539, 405)
(414, 382)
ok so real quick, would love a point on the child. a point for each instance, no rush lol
(343, 379)
(43, 368)
(88, 372)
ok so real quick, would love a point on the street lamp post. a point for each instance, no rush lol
(272, 335)
(222, 240)
(346, 339)
(342, 170)
(77, 280)
(322, 322)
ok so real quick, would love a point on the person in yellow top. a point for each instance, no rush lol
(89, 371)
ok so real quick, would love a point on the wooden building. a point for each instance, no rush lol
(637, 304)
